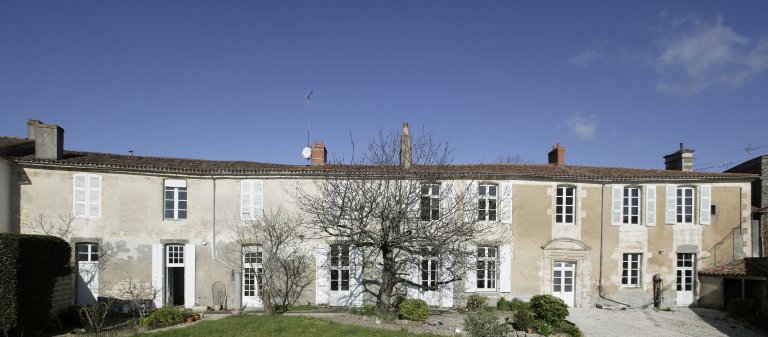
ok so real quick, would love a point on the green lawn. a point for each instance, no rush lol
(277, 326)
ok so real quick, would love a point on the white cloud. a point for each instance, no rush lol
(586, 57)
(699, 54)
(583, 126)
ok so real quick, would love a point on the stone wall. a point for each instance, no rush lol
(63, 295)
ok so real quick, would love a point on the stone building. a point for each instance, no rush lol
(759, 166)
(585, 234)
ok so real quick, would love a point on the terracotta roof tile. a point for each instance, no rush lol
(749, 266)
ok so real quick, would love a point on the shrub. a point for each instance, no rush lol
(476, 301)
(167, 314)
(569, 328)
(279, 308)
(542, 328)
(414, 310)
(549, 309)
(365, 310)
(399, 299)
(485, 323)
(514, 304)
(739, 307)
(301, 307)
(29, 265)
(523, 319)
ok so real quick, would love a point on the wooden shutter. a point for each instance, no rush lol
(616, 197)
(705, 204)
(506, 202)
(470, 282)
(650, 205)
(80, 196)
(322, 279)
(470, 203)
(246, 200)
(258, 199)
(157, 273)
(189, 275)
(94, 196)
(505, 268)
(670, 211)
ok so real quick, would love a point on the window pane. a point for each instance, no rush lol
(492, 190)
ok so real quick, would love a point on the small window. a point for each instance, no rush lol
(87, 252)
(487, 258)
(630, 210)
(486, 202)
(175, 199)
(565, 205)
(430, 202)
(684, 210)
(631, 267)
(174, 255)
(428, 267)
(339, 267)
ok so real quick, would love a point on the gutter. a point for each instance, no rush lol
(602, 224)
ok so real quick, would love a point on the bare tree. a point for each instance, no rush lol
(399, 205)
(139, 293)
(60, 227)
(511, 159)
(271, 249)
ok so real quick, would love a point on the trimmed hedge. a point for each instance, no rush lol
(29, 265)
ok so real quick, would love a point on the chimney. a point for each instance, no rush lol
(681, 160)
(557, 155)
(319, 153)
(49, 139)
(406, 158)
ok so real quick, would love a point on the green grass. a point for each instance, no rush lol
(277, 326)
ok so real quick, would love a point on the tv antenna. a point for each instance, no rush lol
(306, 153)
(750, 148)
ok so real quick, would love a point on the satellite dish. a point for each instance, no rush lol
(306, 153)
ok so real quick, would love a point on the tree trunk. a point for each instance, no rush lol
(387, 281)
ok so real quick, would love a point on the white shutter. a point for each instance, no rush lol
(616, 197)
(157, 273)
(356, 276)
(414, 274)
(506, 202)
(705, 204)
(258, 198)
(446, 290)
(322, 281)
(79, 196)
(447, 210)
(94, 196)
(505, 268)
(470, 203)
(470, 282)
(577, 205)
(246, 199)
(189, 275)
(670, 210)
(650, 205)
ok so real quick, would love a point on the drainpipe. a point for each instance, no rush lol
(602, 223)
(238, 300)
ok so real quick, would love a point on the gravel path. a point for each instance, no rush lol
(648, 322)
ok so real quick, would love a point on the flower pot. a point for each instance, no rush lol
(217, 307)
(190, 319)
(531, 329)
(126, 308)
(236, 312)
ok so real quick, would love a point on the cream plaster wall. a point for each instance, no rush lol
(5, 195)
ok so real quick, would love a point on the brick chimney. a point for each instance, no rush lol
(406, 158)
(319, 153)
(557, 155)
(681, 160)
(49, 139)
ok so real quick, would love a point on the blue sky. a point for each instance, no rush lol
(617, 83)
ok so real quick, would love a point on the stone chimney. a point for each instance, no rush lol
(319, 154)
(406, 158)
(557, 155)
(49, 139)
(681, 160)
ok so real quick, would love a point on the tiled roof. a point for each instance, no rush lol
(749, 266)
(206, 167)
(12, 146)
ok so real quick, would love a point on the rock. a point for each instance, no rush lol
(430, 322)
(377, 321)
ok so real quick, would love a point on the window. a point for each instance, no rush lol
(685, 272)
(486, 203)
(486, 268)
(430, 202)
(428, 267)
(564, 208)
(631, 265)
(87, 252)
(175, 205)
(630, 210)
(684, 205)
(174, 256)
(87, 195)
(339, 267)
(252, 270)
(251, 199)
